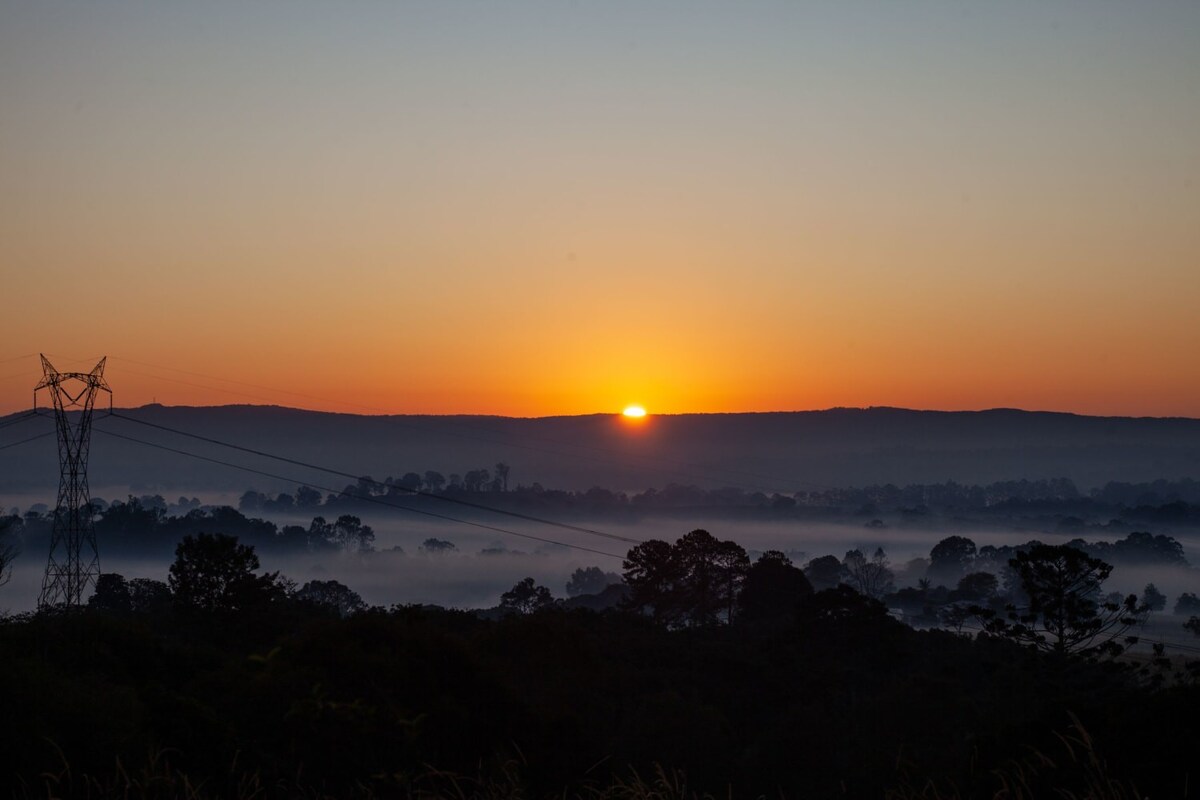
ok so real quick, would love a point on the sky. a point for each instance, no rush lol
(532, 209)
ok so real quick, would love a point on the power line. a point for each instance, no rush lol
(351, 476)
(18, 419)
(340, 492)
(392, 417)
(24, 441)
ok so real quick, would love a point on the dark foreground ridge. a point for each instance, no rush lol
(230, 683)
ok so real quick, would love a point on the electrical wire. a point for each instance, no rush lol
(24, 417)
(443, 428)
(341, 492)
(352, 476)
(24, 441)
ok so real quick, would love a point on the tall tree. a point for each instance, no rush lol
(773, 589)
(112, 593)
(591, 580)
(502, 470)
(1153, 599)
(434, 481)
(332, 596)
(307, 497)
(320, 534)
(950, 559)
(825, 572)
(526, 597)
(696, 553)
(732, 565)
(214, 572)
(1065, 614)
(351, 535)
(654, 578)
(870, 576)
(693, 582)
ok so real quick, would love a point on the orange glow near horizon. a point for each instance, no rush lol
(706, 377)
(728, 215)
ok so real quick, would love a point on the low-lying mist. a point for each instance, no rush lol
(483, 564)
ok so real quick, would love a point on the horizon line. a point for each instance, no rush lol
(649, 414)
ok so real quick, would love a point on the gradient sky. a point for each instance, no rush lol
(540, 208)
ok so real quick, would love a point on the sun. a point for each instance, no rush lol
(634, 411)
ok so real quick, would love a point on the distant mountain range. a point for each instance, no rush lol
(773, 452)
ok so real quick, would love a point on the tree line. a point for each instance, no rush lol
(1054, 502)
(730, 675)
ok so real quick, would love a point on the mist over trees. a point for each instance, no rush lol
(924, 591)
(590, 580)
(847, 671)
(734, 672)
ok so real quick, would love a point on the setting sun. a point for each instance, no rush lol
(634, 411)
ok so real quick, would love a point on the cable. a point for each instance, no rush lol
(17, 358)
(30, 439)
(351, 476)
(22, 418)
(392, 418)
(376, 500)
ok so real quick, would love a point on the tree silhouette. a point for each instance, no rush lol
(1153, 599)
(216, 573)
(825, 572)
(712, 575)
(147, 595)
(654, 578)
(872, 577)
(694, 582)
(977, 586)
(112, 594)
(320, 534)
(591, 580)
(1188, 603)
(773, 589)
(434, 481)
(307, 497)
(526, 598)
(332, 596)
(1063, 615)
(950, 559)
(351, 535)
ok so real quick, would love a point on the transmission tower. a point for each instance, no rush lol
(74, 561)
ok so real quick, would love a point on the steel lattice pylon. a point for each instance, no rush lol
(74, 561)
